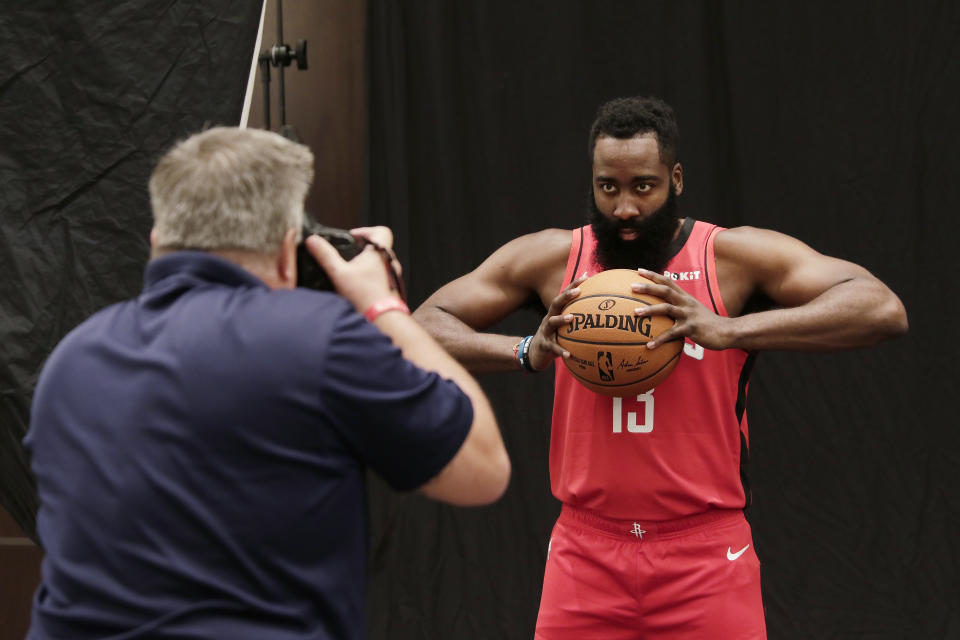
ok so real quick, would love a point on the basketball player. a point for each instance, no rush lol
(651, 541)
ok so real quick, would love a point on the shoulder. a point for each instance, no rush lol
(273, 309)
(762, 250)
(309, 308)
(527, 267)
(297, 323)
(784, 268)
(84, 333)
(746, 237)
(533, 257)
(750, 261)
(548, 244)
(755, 248)
(328, 302)
(101, 324)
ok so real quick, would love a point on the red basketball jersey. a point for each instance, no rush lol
(674, 451)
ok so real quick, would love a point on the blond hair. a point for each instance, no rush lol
(230, 188)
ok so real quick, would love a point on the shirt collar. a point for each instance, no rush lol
(198, 265)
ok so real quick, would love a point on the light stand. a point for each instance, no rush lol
(280, 55)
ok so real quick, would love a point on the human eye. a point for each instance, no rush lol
(645, 187)
(607, 187)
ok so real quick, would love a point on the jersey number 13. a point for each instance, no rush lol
(640, 421)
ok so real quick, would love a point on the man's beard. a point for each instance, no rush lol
(648, 250)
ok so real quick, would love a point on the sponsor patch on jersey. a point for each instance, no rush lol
(682, 275)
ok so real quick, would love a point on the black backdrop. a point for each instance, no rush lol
(91, 93)
(833, 122)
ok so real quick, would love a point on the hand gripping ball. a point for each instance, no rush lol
(608, 343)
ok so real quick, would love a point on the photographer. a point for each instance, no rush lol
(200, 450)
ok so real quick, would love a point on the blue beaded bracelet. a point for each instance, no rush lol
(523, 354)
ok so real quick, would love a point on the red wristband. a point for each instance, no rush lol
(380, 307)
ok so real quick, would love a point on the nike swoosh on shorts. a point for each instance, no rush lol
(733, 556)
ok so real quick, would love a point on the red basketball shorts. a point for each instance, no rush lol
(694, 578)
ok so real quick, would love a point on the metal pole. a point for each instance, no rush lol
(283, 91)
(265, 77)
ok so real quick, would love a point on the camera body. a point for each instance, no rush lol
(309, 272)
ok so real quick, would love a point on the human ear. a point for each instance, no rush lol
(677, 178)
(287, 260)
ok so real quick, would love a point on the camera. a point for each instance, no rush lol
(309, 272)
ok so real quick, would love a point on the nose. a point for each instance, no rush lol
(626, 208)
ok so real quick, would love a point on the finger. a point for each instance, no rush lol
(655, 277)
(662, 291)
(664, 309)
(551, 346)
(324, 253)
(555, 322)
(673, 333)
(559, 351)
(393, 261)
(388, 257)
(380, 235)
(578, 281)
(659, 278)
(562, 299)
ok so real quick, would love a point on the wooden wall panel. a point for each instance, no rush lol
(326, 103)
(19, 577)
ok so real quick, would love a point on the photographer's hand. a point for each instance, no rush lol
(363, 280)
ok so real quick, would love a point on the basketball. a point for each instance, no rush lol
(608, 342)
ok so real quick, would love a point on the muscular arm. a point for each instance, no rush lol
(457, 313)
(827, 303)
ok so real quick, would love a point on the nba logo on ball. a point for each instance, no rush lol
(608, 342)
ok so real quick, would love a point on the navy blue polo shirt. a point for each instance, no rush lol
(200, 455)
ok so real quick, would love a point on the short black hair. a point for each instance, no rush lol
(626, 117)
